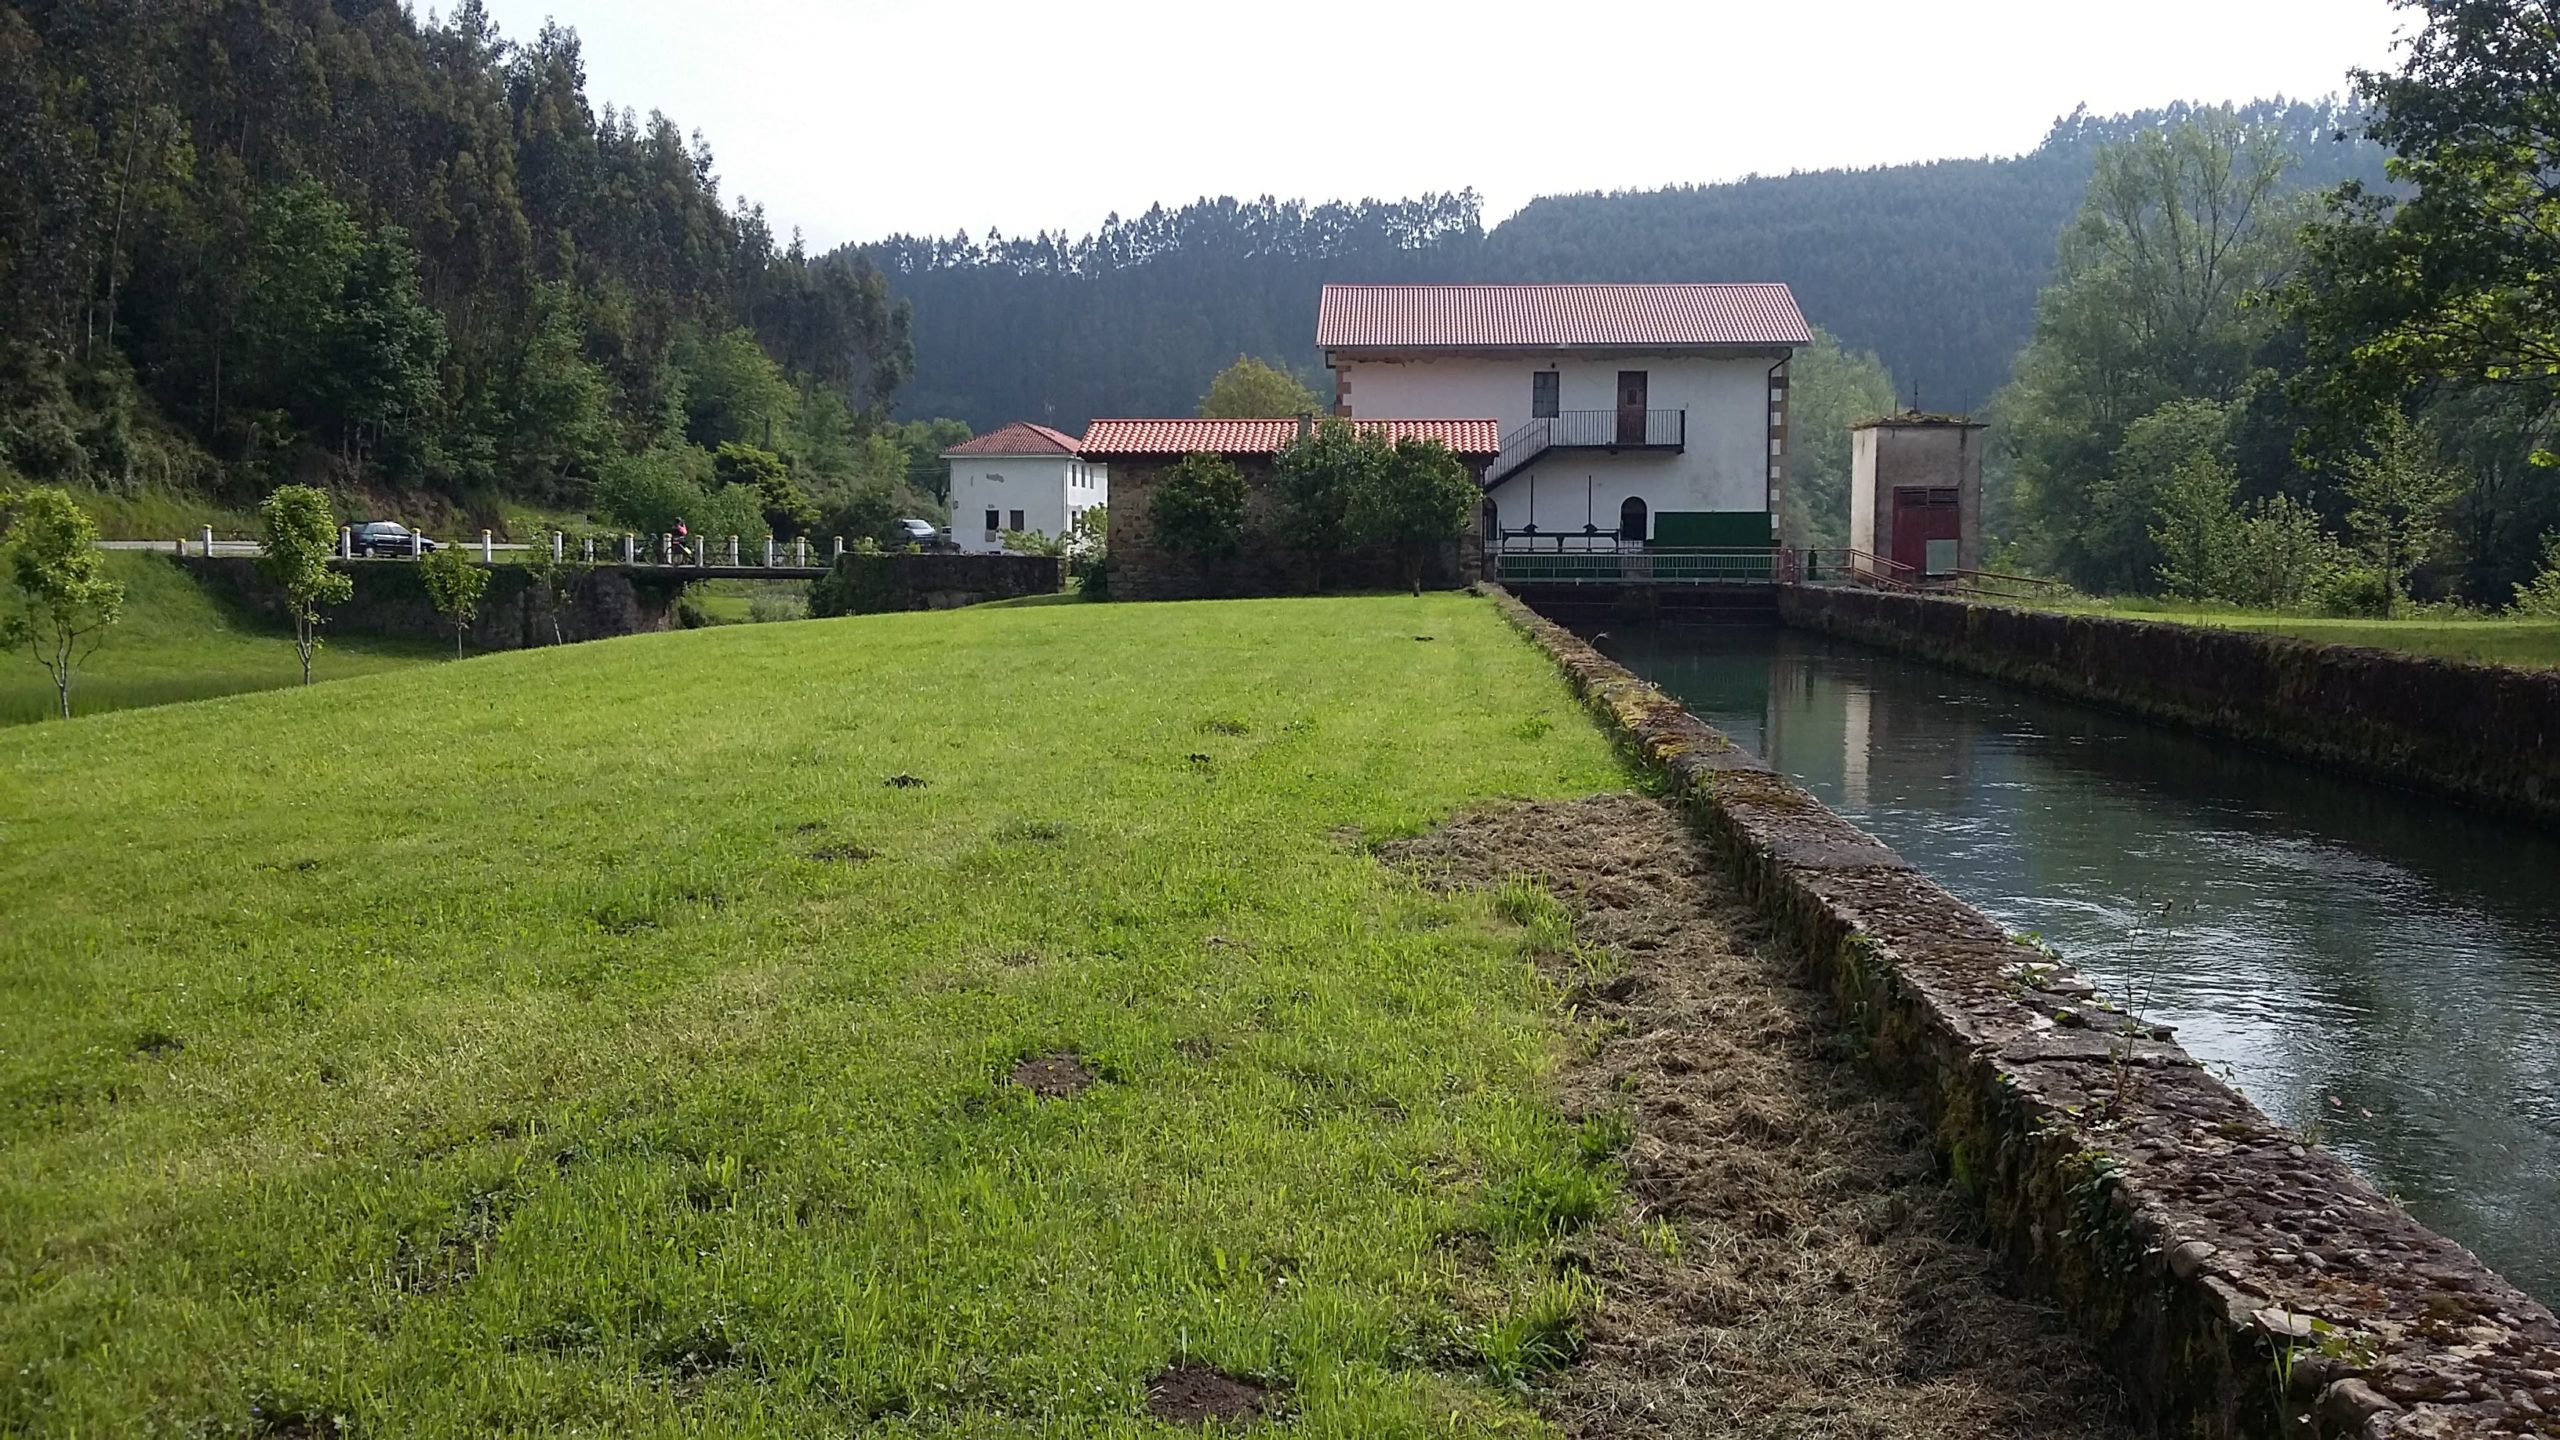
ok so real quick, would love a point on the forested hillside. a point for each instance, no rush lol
(1933, 267)
(246, 241)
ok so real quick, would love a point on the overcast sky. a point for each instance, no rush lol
(853, 119)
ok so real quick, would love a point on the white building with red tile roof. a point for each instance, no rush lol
(1022, 477)
(1630, 414)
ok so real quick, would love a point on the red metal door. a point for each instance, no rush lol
(1922, 515)
(1632, 385)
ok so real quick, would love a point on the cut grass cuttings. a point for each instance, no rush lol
(177, 642)
(488, 1053)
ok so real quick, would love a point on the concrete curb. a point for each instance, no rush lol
(2238, 1282)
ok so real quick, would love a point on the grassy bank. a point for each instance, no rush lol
(648, 1038)
(2486, 640)
(176, 643)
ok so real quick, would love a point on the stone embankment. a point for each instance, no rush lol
(2240, 1282)
(2484, 734)
(390, 602)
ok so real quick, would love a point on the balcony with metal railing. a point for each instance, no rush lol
(1611, 430)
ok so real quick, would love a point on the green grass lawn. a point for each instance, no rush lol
(2488, 640)
(618, 1039)
(175, 642)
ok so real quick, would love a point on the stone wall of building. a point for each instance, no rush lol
(391, 601)
(2239, 1282)
(2485, 734)
(1142, 569)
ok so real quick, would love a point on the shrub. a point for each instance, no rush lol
(2353, 591)
(2540, 597)
(1414, 503)
(1198, 508)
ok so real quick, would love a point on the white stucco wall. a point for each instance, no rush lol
(1725, 467)
(1049, 490)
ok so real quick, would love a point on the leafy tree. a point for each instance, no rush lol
(1416, 502)
(455, 587)
(2282, 553)
(1315, 476)
(2454, 272)
(2149, 306)
(870, 512)
(925, 441)
(762, 472)
(298, 535)
(2400, 491)
(1252, 388)
(1197, 510)
(1829, 389)
(2197, 530)
(733, 390)
(559, 404)
(649, 492)
(557, 579)
(59, 600)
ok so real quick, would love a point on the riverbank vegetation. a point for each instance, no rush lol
(2446, 632)
(2241, 393)
(746, 1030)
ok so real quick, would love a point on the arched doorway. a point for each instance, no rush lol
(1631, 520)
(1492, 522)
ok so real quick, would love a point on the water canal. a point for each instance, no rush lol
(2378, 969)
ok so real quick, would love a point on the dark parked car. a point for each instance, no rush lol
(389, 537)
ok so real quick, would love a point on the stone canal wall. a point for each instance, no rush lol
(905, 580)
(2239, 1282)
(2484, 734)
(390, 602)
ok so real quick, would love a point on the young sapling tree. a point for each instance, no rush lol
(455, 587)
(299, 534)
(58, 600)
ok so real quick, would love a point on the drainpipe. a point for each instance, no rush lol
(1770, 496)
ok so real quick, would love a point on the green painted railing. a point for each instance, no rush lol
(1660, 565)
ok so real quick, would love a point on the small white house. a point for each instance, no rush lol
(1023, 477)
(1631, 415)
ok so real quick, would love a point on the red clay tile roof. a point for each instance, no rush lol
(1475, 439)
(1019, 438)
(1539, 317)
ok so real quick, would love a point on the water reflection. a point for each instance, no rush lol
(2378, 967)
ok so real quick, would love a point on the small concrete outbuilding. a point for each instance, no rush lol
(1915, 496)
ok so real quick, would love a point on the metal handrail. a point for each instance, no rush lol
(1590, 430)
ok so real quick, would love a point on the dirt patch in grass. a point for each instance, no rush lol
(1796, 1265)
(1054, 1077)
(1194, 1394)
(843, 854)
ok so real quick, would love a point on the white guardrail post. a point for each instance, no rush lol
(208, 542)
(346, 542)
(485, 555)
(559, 542)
